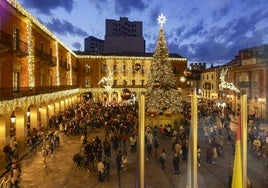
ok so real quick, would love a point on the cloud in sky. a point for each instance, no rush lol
(204, 31)
(63, 27)
(47, 6)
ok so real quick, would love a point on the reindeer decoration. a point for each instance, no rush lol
(107, 82)
(225, 84)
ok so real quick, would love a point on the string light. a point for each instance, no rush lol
(57, 64)
(10, 105)
(30, 54)
(35, 21)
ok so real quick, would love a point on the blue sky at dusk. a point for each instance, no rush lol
(210, 31)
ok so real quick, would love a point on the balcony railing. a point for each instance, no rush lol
(20, 48)
(5, 40)
(244, 84)
(10, 93)
(51, 60)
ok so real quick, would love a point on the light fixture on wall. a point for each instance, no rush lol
(13, 117)
(28, 112)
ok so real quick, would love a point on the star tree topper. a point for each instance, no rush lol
(161, 19)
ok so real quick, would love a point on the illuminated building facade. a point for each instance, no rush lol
(40, 76)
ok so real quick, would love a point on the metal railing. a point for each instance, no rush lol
(45, 56)
(5, 39)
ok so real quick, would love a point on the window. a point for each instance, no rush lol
(88, 68)
(124, 69)
(87, 83)
(142, 69)
(114, 69)
(16, 78)
(104, 68)
(16, 38)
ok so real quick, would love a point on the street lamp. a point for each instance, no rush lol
(13, 117)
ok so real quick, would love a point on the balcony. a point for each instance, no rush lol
(244, 84)
(10, 93)
(5, 42)
(44, 57)
(64, 65)
(20, 48)
(75, 69)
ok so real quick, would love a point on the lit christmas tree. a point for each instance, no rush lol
(162, 93)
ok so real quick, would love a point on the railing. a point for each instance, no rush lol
(5, 39)
(21, 48)
(245, 84)
(45, 56)
(10, 93)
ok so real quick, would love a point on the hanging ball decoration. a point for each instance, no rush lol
(156, 84)
(125, 94)
(168, 112)
(137, 66)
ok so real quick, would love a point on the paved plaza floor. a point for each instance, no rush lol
(61, 172)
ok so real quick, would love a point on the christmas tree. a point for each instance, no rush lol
(162, 93)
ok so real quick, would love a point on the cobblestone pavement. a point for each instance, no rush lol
(61, 171)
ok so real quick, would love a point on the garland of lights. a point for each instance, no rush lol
(30, 54)
(24, 12)
(57, 64)
(10, 105)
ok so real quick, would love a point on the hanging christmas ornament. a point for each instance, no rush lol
(168, 112)
(125, 94)
(156, 84)
(137, 67)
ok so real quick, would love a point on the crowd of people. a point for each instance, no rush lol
(119, 122)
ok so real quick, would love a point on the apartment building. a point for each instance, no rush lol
(123, 36)
(93, 45)
(248, 72)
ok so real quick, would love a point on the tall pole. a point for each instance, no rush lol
(141, 141)
(244, 138)
(192, 160)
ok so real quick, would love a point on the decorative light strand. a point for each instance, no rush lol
(10, 105)
(57, 64)
(30, 54)
(24, 12)
(70, 67)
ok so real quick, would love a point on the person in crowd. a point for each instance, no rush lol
(6, 182)
(133, 141)
(107, 167)
(15, 175)
(51, 147)
(209, 154)
(124, 162)
(149, 144)
(119, 160)
(156, 146)
(100, 167)
(176, 164)
(8, 152)
(44, 153)
(162, 158)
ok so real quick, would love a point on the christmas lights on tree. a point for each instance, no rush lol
(162, 94)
